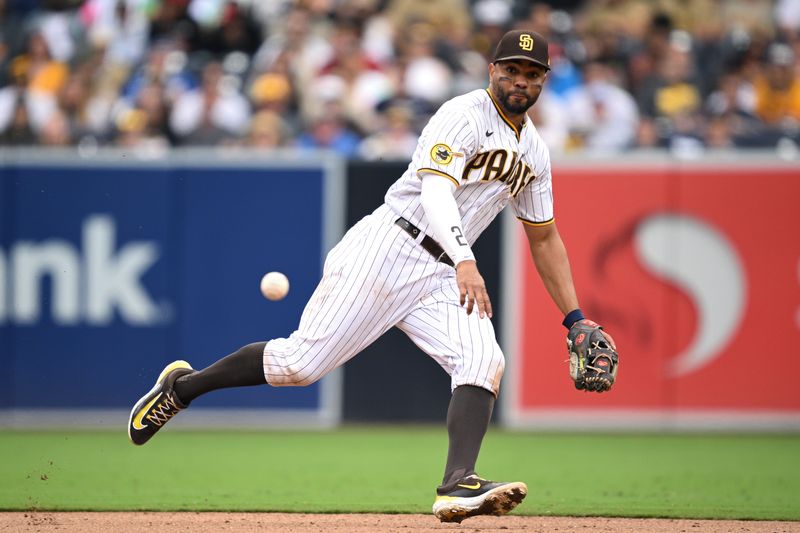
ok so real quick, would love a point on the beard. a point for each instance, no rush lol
(512, 107)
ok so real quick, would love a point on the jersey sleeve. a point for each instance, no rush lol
(446, 143)
(534, 204)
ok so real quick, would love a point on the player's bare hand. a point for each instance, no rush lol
(472, 288)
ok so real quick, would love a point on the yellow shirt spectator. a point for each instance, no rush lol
(48, 77)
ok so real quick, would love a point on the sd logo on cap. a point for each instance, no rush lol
(523, 44)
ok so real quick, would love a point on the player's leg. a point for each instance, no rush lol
(242, 368)
(468, 417)
(371, 279)
(179, 384)
(368, 287)
(465, 346)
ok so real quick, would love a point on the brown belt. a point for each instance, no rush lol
(431, 246)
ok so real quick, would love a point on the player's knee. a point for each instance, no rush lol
(492, 366)
(300, 374)
(496, 367)
(497, 363)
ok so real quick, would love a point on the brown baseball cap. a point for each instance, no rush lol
(523, 44)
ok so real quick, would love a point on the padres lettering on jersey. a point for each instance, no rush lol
(501, 165)
(492, 163)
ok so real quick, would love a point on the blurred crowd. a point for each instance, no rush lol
(362, 77)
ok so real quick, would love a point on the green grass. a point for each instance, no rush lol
(396, 470)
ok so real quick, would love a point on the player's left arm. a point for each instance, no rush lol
(550, 256)
(593, 357)
(533, 206)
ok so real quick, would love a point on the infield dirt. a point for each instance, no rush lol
(127, 522)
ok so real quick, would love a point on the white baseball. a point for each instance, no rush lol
(274, 286)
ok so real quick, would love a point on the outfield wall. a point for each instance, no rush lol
(694, 267)
(112, 265)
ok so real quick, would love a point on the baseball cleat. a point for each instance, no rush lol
(158, 406)
(473, 496)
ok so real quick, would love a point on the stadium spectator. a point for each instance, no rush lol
(777, 89)
(73, 101)
(328, 129)
(670, 97)
(147, 122)
(649, 52)
(273, 92)
(298, 42)
(491, 19)
(237, 32)
(15, 125)
(423, 75)
(444, 16)
(170, 20)
(552, 119)
(215, 113)
(787, 18)
(731, 114)
(42, 78)
(267, 130)
(703, 72)
(362, 82)
(12, 39)
(166, 64)
(611, 117)
(55, 131)
(121, 27)
(394, 139)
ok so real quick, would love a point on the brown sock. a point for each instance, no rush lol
(242, 368)
(468, 418)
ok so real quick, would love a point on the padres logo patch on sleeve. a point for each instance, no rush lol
(442, 154)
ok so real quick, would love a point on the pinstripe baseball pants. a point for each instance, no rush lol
(375, 278)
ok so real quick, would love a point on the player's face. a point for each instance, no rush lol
(516, 84)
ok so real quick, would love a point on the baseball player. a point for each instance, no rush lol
(410, 264)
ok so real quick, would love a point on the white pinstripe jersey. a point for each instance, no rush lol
(470, 141)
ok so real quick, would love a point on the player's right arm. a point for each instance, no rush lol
(449, 141)
(445, 224)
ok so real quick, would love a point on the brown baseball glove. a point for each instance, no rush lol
(593, 358)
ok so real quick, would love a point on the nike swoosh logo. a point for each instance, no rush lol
(137, 420)
(476, 486)
(489, 133)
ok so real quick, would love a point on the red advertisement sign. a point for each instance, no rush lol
(694, 270)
